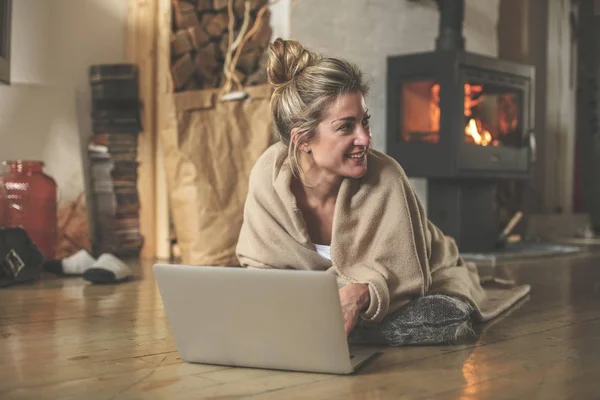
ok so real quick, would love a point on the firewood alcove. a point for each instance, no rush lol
(180, 46)
(200, 39)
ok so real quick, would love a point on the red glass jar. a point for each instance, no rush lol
(31, 203)
(3, 204)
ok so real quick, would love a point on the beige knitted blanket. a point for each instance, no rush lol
(381, 237)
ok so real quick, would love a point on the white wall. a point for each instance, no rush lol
(30, 41)
(86, 32)
(44, 113)
(280, 18)
(54, 41)
(366, 32)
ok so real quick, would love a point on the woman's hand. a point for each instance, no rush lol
(354, 299)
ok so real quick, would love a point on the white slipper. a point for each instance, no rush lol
(78, 263)
(107, 269)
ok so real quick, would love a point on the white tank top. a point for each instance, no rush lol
(324, 251)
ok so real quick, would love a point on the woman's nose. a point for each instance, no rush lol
(363, 138)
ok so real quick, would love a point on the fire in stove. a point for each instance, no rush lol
(463, 121)
(476, 130)
(477, 135)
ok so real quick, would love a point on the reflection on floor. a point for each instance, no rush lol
(65, 338)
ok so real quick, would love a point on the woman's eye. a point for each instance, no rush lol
(365, 121)
(345, 127)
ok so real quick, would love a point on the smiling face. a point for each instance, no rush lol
(339, 146)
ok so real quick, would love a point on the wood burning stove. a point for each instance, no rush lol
(463, 121)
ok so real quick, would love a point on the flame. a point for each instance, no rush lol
(470, 91)
(474, 128)
(434, 108)
(470, 102)
(474, 131)
(479, 135)
(508, 113)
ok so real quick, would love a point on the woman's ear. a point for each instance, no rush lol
(295, 135)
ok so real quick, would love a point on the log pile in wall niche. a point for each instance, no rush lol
(201, 37)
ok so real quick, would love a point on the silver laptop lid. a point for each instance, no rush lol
(275, 319)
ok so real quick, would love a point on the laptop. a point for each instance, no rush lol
(270, 319)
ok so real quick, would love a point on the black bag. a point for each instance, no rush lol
(20, 259)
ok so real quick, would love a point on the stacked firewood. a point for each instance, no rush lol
(201, 40)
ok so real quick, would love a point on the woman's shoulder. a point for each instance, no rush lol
(268, 164)
(274, 154)
(383, 166)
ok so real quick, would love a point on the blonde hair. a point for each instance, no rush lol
(305, 85)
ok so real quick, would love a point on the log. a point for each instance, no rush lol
(259, 77)
(208, 55)
(205, 42)
(204, 5)
(238, 9)
(240, 75)
(248, 61)
(180, 43)
(215, 24)
(192, 84)
(213, 83)
(220, 4)
(261, 39)
(198, 37)
(182, 71)
(224, 45)
(206, 65)
(255, 5)
(184, 14)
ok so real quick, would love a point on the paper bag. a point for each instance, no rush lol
(210, 146)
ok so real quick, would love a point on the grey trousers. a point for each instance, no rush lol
(428, 320)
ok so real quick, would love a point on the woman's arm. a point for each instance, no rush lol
(354, 298)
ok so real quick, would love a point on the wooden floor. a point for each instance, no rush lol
(66, 339)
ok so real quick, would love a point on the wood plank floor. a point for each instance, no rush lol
(66, 339)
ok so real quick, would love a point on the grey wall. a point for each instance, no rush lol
(367, 31)
(539, 32)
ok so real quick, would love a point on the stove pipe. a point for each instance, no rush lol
(451, 23)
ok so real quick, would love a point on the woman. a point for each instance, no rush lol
(322, 199)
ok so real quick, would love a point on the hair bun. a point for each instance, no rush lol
(287, 59)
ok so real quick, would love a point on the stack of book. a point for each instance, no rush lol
(112, 151)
